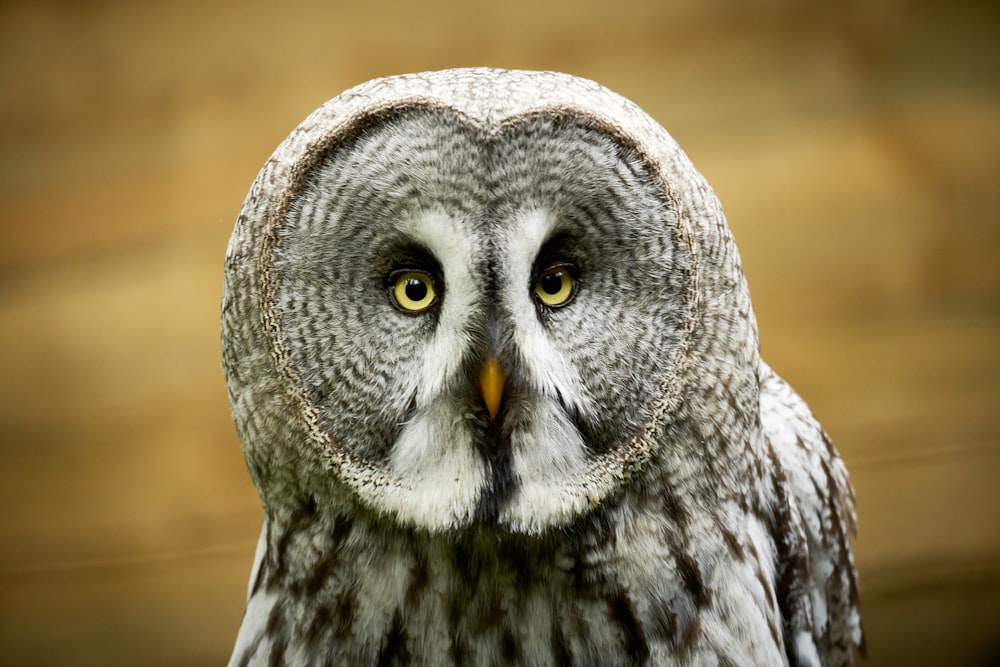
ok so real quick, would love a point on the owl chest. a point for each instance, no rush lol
(467, 609)
(512, 616)
(370, 598)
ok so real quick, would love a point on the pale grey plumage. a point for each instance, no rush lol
(649, 492)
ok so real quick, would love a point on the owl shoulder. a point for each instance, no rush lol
(814, 521)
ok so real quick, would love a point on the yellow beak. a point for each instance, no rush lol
(491, 382)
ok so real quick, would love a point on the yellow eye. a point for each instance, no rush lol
(555, 285)
(412, 291)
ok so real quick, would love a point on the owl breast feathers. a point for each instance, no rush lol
(495, 369)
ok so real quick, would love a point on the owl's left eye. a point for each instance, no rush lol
(555, 285)
(412, 291)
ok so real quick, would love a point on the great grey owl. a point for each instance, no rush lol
(494, 366)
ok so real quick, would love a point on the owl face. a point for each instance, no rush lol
(479, 316)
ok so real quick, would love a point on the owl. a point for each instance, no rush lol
(493, 363)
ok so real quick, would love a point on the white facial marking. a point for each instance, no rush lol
(454, 248)
(550, 463)
(434, 454)
(548, 371)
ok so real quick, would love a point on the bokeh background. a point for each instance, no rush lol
(855, 146)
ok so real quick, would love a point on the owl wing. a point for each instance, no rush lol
(814, 523)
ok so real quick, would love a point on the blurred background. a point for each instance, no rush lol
(854, 145)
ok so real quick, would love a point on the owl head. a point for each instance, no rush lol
(481, 297)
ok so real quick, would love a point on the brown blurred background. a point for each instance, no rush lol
(855, 146)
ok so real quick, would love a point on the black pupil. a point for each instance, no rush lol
(416, 289)
(551, 283)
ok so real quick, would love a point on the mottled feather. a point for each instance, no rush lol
(647, 490)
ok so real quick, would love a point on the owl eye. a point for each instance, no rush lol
(555, 286)
(412, 291)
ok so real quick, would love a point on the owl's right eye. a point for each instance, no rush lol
(555, 285)
(412, 292)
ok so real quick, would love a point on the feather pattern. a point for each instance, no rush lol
(647, 492)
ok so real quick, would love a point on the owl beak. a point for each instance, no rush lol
(491, 382)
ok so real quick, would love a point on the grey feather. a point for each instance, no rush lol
(649, 492)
